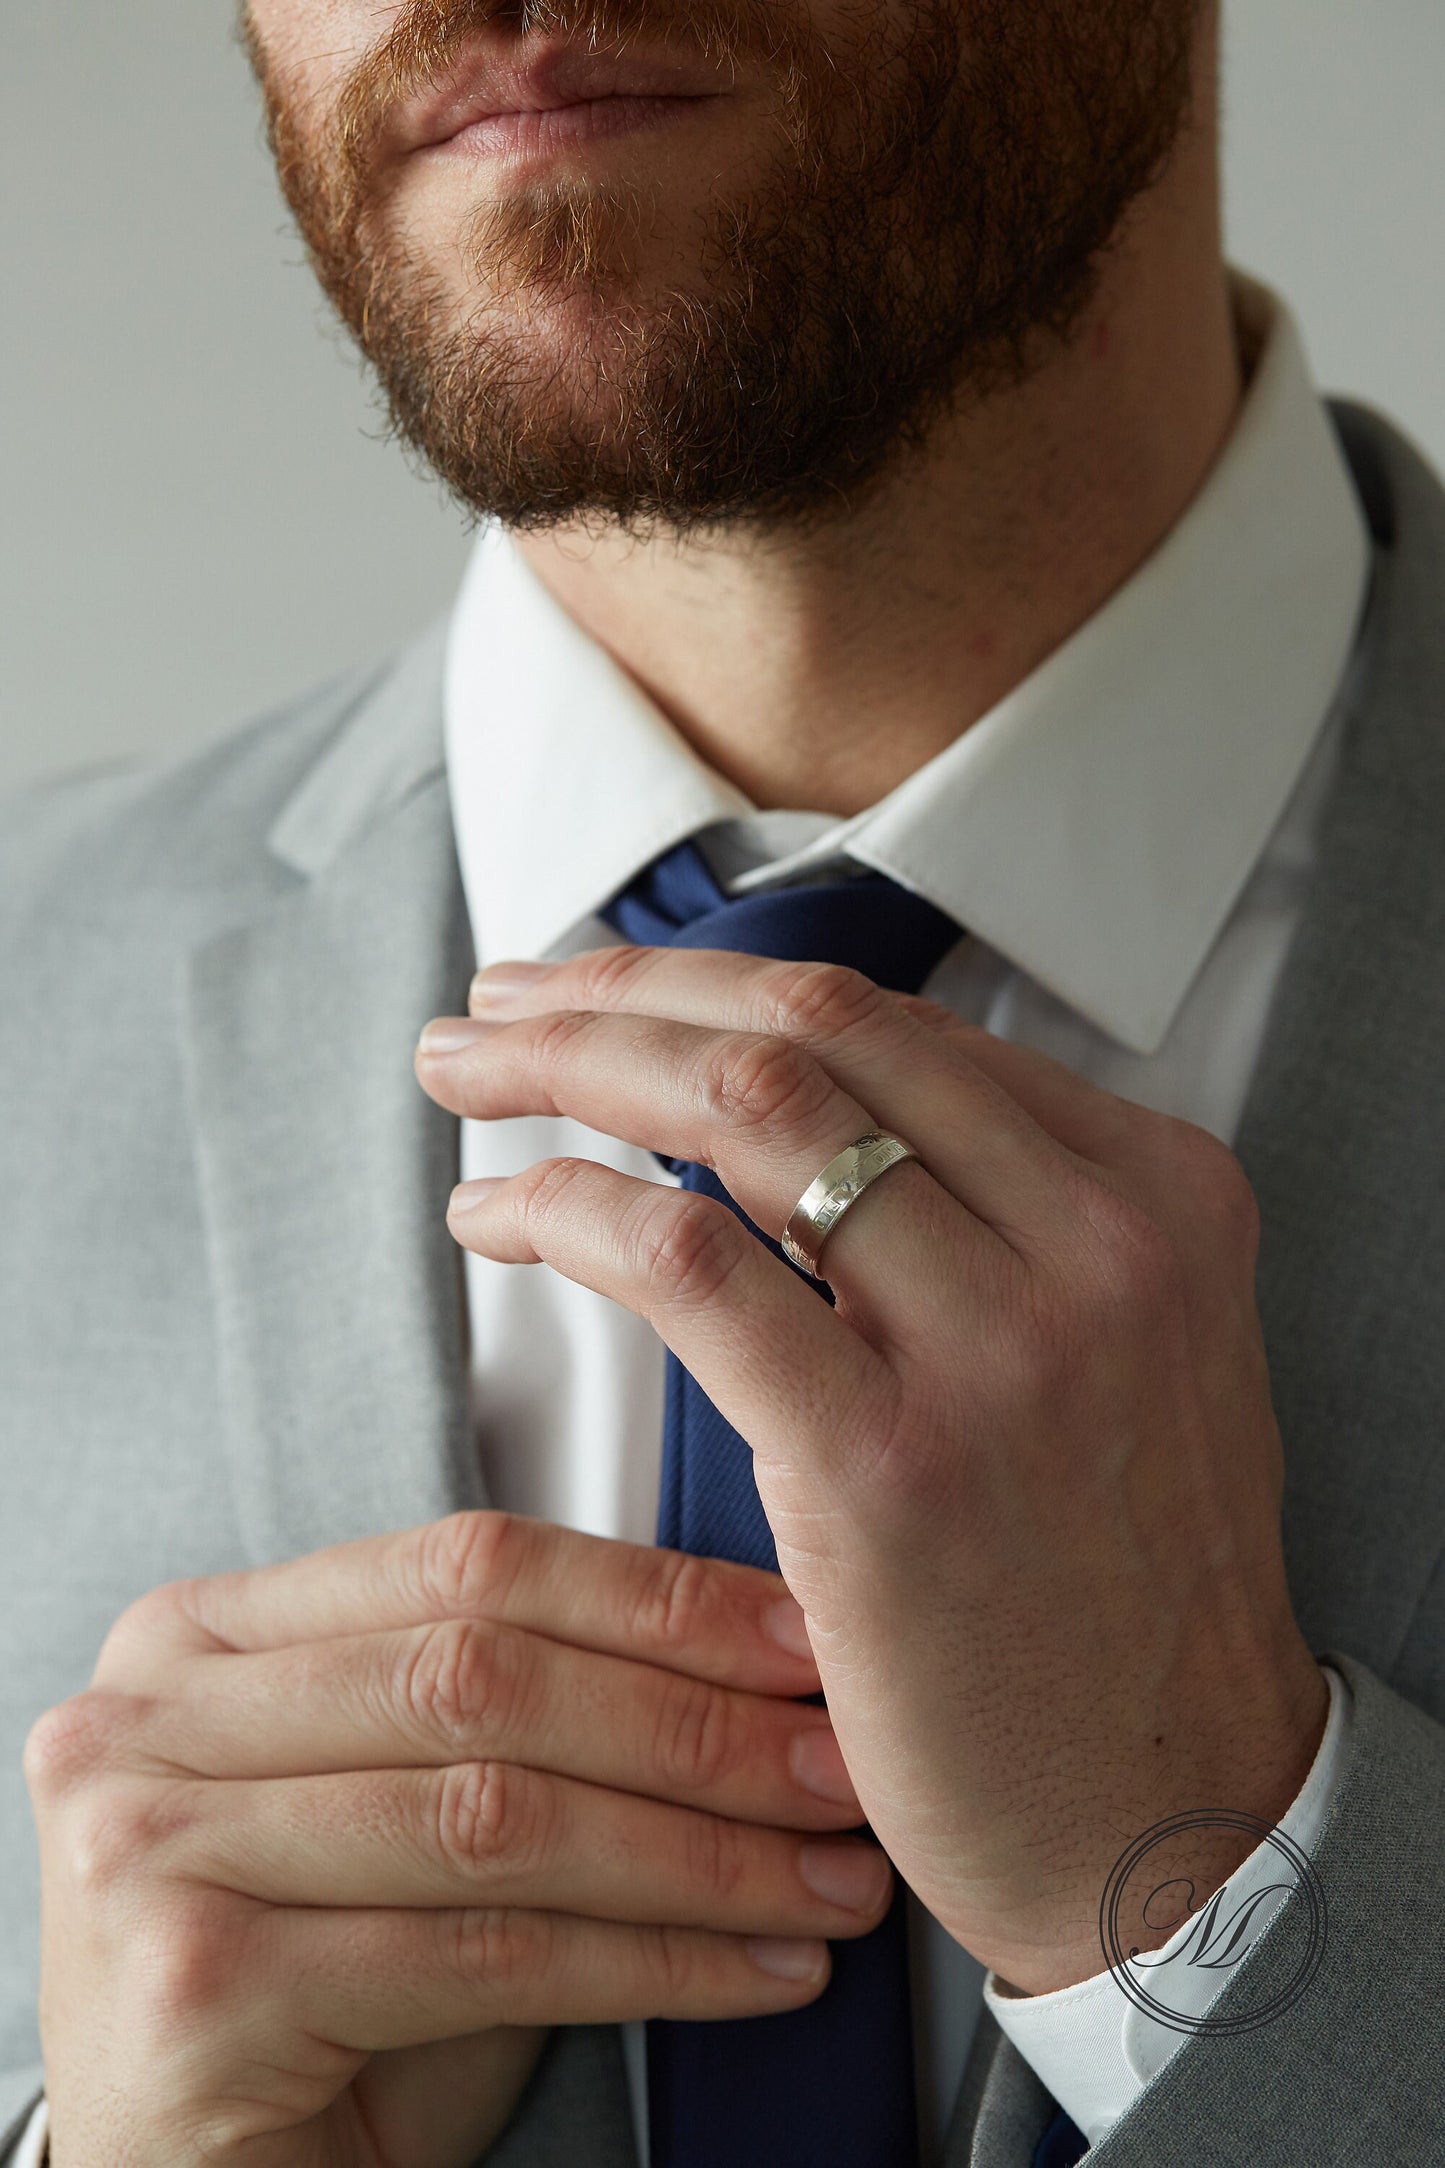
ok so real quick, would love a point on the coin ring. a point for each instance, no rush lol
(839, 1186)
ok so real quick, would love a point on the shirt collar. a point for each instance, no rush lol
(1095, 827)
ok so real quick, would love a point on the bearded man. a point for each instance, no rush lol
(810, 1537)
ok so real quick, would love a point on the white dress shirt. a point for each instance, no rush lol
(1127, 837)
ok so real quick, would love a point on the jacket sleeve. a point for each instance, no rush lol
(1349, 2071)
(1096, 2050)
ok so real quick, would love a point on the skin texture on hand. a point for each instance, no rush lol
(326, 1847)
(1024, 1479)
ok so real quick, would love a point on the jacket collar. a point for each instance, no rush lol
(387, 746)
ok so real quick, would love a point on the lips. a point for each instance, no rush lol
(494, 83)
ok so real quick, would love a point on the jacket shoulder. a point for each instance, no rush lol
(178, 842)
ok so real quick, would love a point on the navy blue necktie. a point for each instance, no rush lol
(830, 2086)
(1063, 2144)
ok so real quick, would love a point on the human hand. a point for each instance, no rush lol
(1024, 1479)
(326, 1846)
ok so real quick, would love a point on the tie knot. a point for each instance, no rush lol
(866, 921)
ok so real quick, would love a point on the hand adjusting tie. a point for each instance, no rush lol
(841, 1183)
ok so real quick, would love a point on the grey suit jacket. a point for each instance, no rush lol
(231, 1319)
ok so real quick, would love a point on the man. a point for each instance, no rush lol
(940, 746)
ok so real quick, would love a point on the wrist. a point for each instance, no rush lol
(1225, 1801)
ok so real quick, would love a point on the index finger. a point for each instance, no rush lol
(732, 1625)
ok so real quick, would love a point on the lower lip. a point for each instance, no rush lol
(563, 127)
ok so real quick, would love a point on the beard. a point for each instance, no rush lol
(928, 227)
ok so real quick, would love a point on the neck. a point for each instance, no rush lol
(820, 670)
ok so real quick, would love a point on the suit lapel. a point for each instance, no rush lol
(1343, 1136)
(324, 1169)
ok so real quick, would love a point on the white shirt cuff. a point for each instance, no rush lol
(1096, 2050)
(36, 2138)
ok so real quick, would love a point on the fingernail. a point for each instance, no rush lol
(787, 1960)
(452, 1035)
(500, 981)
(818, 1765)
(466, 1195)
(852, 1875)
(788, 1627)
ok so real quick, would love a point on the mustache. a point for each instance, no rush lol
(430, 37)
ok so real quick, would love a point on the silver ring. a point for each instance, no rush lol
(841, 1183)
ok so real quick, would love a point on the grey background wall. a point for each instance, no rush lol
(196, 511)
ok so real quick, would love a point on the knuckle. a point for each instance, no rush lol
(691, 1249)
(191, 1958)
(608, 972)
(494, 1947)
(714, 1857)
(934, 1014)
(489, 1814)
(694, 1741)
(77, 1740)
(551, 1038)
(460, 1682)
(754, 1083)
(820, 1001)
(670, 1961)
(545, 1187)
(1147, 1268)
(119, 1834)
(468, 1559)
(1218, 1183)
(671, 1608)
